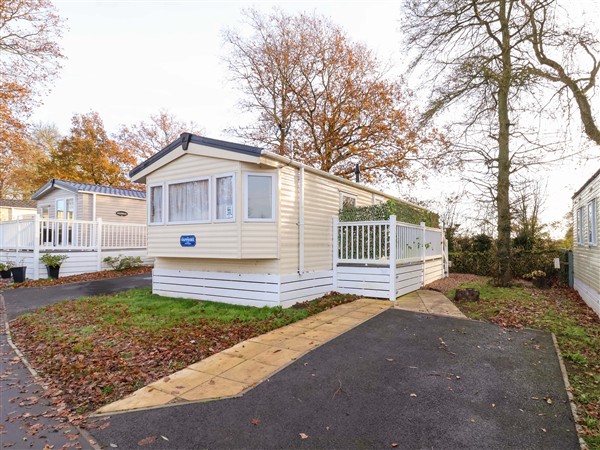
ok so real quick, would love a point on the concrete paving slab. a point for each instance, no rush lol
(217, 364)
(416, 380)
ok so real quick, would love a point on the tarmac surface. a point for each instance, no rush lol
(400, 380)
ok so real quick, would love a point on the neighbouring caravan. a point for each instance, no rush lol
(237, 224)
(61, 199)
(586, 253)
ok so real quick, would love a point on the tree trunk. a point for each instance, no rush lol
(503, 199)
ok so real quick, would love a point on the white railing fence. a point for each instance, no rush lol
(386, 259)
(61, 234)
(369, 242)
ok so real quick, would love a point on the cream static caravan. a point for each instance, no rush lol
(586, 252)
(237, 224)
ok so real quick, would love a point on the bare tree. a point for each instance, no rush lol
(322, 98)
(148, 137)
(486, 60)
(567, 56)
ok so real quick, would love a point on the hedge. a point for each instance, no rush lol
(403, 211)
(522, 262)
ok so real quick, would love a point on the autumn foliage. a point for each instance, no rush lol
(322, 98)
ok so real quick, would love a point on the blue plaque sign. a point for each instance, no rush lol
(188, 240)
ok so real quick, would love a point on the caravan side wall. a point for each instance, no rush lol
(229, 256)
(586, 253)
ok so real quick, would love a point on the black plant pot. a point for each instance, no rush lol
(541, 282)
(53, 271)
(5, 273)
(18, 274)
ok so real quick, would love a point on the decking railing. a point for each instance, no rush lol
(369, 242)
(56, 234)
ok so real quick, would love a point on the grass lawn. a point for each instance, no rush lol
(562, 312)
(96, 350)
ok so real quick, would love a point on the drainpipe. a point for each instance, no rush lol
(93, 206)
(301, 221)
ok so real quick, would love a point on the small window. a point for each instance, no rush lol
(155, 212)
(580, 225)
(260, 197)
(65, 208)
(592, 233)
(225, 198)
(45, 212)
(347, 200)
(378, 200)
(189, 201)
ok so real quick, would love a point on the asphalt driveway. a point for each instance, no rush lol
(402, 379)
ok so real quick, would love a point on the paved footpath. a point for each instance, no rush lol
(28, 420)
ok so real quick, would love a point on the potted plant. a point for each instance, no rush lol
(538, 278)
(18, 272)
(5, 269)
(53, 263)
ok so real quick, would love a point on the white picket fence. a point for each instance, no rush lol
(386, 259)
(86, 243)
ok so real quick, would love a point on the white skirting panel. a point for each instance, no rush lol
(78, 262)
(240, 288)
(434, 270)
(308, 286)
(588, 294)
(367, 281)
(408, 278)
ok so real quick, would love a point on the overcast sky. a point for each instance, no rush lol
(129, 59)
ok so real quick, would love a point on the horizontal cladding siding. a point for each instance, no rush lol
(240, 266)
(321, 205)
(107, 207)
(212, 240)
(259, 240)
(289, 219)
(586, 258)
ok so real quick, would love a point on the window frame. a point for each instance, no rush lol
(162, 218)
(592, 222)
(347, 194)
(378, 200)
(65, 211)
(580, 225)
(167, 199)
(273, 197)
(233, 196)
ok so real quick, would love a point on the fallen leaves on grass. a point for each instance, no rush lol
(90, 354)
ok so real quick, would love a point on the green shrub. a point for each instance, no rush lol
(485, 263)
(123, 262)
(52, 259)
(403, 211)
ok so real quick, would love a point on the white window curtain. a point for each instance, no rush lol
(592, 222)
(156, 204)
(580, 225)
(189, 201)
(260, 197)
(224, 198)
